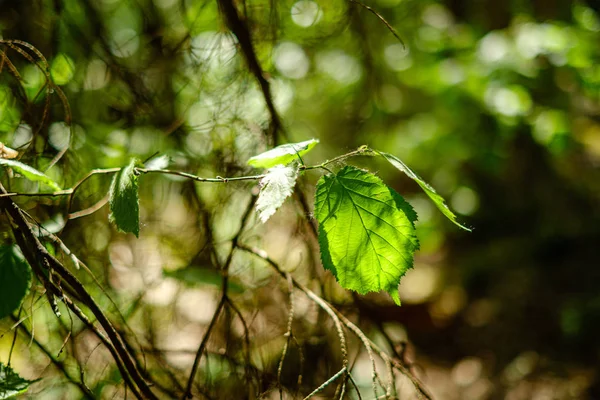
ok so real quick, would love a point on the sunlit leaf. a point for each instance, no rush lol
(11, 384)
(366, 231)
(30, 173)
(194, 275)
(283, 154)
(62, 69)
(436, 198)
(276, 186)
(124, 200)
(15, 279)
(161, 162)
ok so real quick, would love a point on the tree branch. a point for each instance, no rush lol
(37, 255)
(240, 29)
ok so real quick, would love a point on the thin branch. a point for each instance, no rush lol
(235, 309)
(327, 383)
(387, 24)
(37, 255)
(85, 178)
(88, 211)
(218, 179)
(288, 334)
(421, 391)
(339, 317)
(353, 382)
(200, 351)
(391, 386)
(109, 345)
(65, 192)
(361, 151)
(318, 300)
(366, 342)
(42, 64)
(239, 28)
(60, 365)
(225, 272)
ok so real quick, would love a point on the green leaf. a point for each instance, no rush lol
(15, 279)
(366, 231)
(193, 275)
(283, 154)
(30, 173)
(11, 384)
(276, 186)
(62, 69)
(436, 198)
(124, 200)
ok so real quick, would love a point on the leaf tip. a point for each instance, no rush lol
(395, 296)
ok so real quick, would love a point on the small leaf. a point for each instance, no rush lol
(62, 69)
(161, 162)
(11, 384)
(30, 173)
(366, 231)
(436, 198)
(276, 186)
(283, 154)
(124, 199)
(15, 279)
(194, 275)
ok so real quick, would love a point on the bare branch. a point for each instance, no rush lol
(238, 26)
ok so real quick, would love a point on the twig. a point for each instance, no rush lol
(240, 29)
(58, 364)
(101, 203)
(353, 382)
(421, 391)
(218, 179)
(365, 341)
(318, 300)
(88, 211)
(288, 334)
(235, 309)
(14, 340)
(361, 151)
(327, 383)
(339, 317)
(109, 345)
(37, 194)
(340, 391)
(42, 64)
(200, 351)
(37, 255)
(225, 271)
(85, 178)
(387, 24)
(391, 386)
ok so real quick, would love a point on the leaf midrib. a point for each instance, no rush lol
(347, 192)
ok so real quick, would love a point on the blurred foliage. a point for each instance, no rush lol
(496, 103)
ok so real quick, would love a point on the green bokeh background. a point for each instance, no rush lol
(496, 104)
